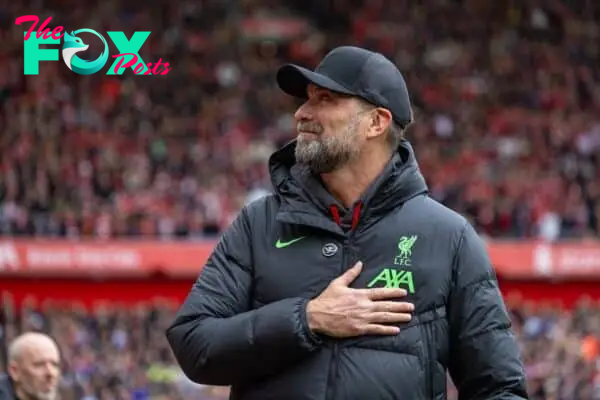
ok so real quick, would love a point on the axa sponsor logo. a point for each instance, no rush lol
(394, 278)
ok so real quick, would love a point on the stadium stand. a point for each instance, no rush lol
(113, 188)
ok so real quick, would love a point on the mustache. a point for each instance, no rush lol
(310, 127)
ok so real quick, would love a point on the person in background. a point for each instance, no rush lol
(33, 369)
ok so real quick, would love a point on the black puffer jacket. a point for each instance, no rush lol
(244, 322)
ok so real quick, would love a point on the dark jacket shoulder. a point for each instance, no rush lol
(6, 388)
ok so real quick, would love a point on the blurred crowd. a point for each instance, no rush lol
(108, 353)
(117, 353)
(507, 103)
(561, 350)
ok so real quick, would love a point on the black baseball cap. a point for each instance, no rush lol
(353, 71)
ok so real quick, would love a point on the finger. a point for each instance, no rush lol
(374, 329)
(384, 293)
(349, 276)
(389, 317)
(393, 306)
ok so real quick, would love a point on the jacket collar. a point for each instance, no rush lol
(304, 199)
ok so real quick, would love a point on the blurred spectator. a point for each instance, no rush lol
(32, 368)
(109, 353)
(507, 128)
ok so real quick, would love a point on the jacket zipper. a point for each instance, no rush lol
(335, 346)
(334, 356)
(332, 373)
(427, 367)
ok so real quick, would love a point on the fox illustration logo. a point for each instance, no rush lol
(73, 44)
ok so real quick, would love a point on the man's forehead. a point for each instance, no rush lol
(40, 351)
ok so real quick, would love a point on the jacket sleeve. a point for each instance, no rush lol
(485, 362)
(217, 338)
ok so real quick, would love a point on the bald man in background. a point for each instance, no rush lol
(33, 369)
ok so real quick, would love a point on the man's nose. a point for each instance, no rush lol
(51, 371)
(303, 113)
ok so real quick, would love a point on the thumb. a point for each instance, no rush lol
(349, 276)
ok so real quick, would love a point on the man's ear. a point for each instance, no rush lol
(13, 371)
(380, 122)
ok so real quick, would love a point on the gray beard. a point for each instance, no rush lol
(324, 155)
(32, 394)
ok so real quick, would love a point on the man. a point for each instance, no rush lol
(33, 369)
(349, 282)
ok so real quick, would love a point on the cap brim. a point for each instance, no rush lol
(294, 80)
